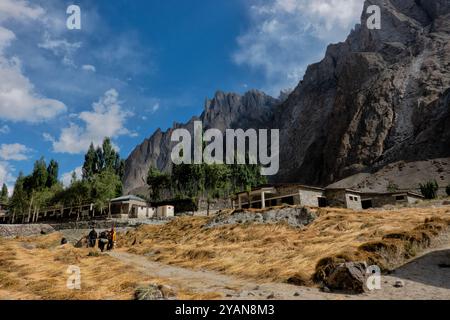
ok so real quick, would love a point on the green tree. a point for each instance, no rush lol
(447, 190)
(217, 182)
(105, 186)
(19, 199)
(89, 166)
(157, 182)
(52, 173)
(4, 194)
(39, 175)
(429, 189)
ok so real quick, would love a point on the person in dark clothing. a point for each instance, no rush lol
(92, 238)
(102, 241)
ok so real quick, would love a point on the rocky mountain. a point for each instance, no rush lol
(380, 97)
(254, 109)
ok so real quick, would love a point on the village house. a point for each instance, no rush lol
(131, 207)
(292, 194)
(297, 194)
(377, 200)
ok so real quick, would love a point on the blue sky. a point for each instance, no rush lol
(139, 65)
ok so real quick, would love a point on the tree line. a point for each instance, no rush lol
(101, 181)
(210, 181)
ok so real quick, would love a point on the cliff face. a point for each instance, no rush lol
(377, 98)
(226, 110)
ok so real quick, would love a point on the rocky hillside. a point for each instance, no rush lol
(380, 97)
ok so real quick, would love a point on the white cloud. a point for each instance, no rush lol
(88, 67)
(19, 10)
(18, 99)
(155, 107)
(4, 129)
(107, 119)
(6, 176)
(16, 151)
(66, 178)
(287, 35)
(61, 48)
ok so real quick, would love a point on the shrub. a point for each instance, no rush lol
(429, 189)
(448, 190)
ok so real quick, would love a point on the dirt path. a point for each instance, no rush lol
(427, 277)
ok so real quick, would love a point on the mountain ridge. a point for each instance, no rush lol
(379, 97)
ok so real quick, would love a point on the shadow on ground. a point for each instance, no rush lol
(431, 269)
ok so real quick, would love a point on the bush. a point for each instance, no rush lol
(448, 190)
(429, 189)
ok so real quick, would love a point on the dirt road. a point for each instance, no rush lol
(427, 277)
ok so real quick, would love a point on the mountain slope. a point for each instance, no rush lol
(380, 97)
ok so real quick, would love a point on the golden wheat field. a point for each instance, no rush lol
(35, 267)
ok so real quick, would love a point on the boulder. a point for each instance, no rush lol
(348, 277)
(154, 292)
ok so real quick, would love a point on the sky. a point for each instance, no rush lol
(136, 66)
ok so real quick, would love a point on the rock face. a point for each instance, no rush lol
(226, 110)
(380, 97)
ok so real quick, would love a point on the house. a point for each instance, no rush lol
(165, 212)
(344, 198)
(131, 207)
(378, 200)
(292, 194)
(297, 194)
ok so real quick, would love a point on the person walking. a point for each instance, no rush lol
(92, 238)
(102, 241)
(111, 239)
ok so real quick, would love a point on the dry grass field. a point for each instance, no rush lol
(276, 253)
(35, 267)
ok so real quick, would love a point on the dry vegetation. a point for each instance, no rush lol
(281, 253)
(35, 268)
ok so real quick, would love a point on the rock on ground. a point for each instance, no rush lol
(294, 216)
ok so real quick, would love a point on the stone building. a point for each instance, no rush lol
(131, 207)
(296, 194)
(377, 200)
(269, 196)
(343, 198)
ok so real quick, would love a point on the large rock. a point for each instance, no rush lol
(348, 277)
(154, 292)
